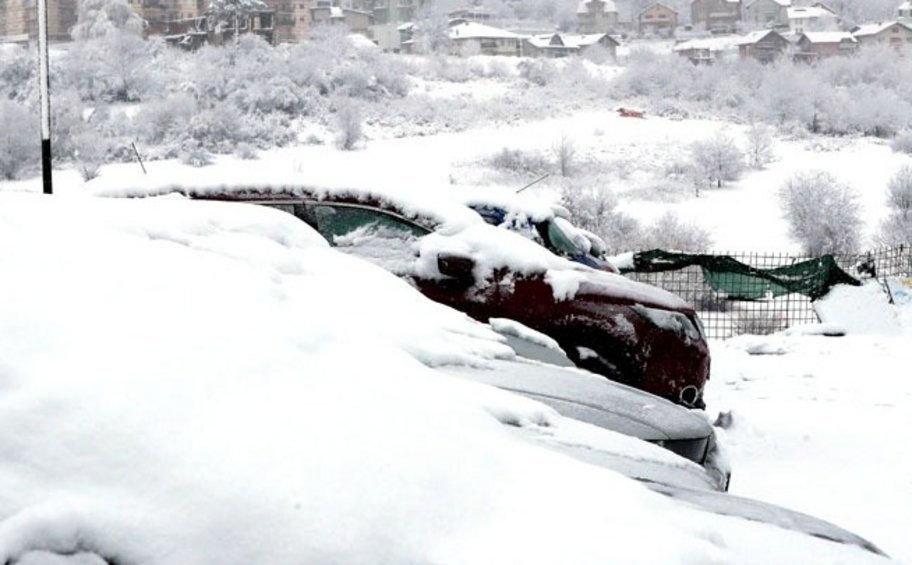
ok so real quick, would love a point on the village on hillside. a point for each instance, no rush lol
(710, 30)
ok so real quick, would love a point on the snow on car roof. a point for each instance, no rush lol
(459, 231)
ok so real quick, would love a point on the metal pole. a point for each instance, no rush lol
(45, 99)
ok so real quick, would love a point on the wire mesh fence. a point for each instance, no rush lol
(724, 317)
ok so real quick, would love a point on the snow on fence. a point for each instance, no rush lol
(724, 317)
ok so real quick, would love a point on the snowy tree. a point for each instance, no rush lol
(565, 155)
(899, 191)
(432, 29)
(671, 233)
(18, 139)
(98, 18)
(228, 14)
(113, 68)
(595, 210)
(760, 145)
(823, 213)
(717, 160)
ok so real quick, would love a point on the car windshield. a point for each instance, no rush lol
(565, 238)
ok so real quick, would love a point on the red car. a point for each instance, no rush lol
(627, 331)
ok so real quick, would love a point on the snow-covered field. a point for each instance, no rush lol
(818, 424)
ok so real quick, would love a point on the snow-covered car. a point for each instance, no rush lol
(178, 374)
(630, 332)
(552, 229)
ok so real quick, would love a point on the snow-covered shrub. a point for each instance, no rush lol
(17, 73)
(166, 119)
(276, 93)
(716, 161)
(90, 153)
(671, 233)
(519, 161)
(596, 210)
(219, 128)
(902, 143)
(195, 156)
(899, 191)
(19, 139)
(540, 72)
(349, 128)
(598, 55)
(245, 151)
(98, 18)
(896, 229)
(120, 64)
(822, 212)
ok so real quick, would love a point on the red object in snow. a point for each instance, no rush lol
(628, 113)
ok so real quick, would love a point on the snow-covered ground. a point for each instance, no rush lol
(632, 155)
(818, 423)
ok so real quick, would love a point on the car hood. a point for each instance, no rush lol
(757, 511)
(591, 398)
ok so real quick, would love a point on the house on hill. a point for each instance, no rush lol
(563, 44)
(817, 17)
(768, 14)
(904, 12)
(716, 16)
(895, 33)
(815, 45)
(357, 21)
(708, 50)
(596, 16)
(657, 19)
(472, 37)
(765, 46)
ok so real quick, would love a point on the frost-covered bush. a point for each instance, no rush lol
(822, 212)
(716, 161)
(596, 210)
(195, 156)
(166, 119)
(245, 151)
(896, 229)
(276, 93)
(90, 153)
(540, 72)
(903, 142)
(671, 233)
(112, 68)
(349, 125)
(899, 191)
(519, 161)
(17, 73)
(19, 139)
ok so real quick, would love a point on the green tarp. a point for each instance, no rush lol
(737, 281)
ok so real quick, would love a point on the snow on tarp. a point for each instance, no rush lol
(199, 384)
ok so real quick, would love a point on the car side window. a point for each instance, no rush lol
(334, 221)
(374, 235)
